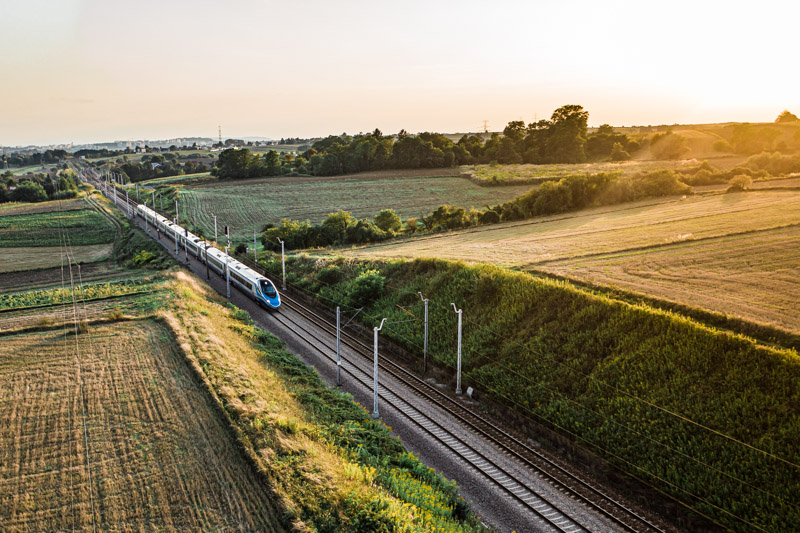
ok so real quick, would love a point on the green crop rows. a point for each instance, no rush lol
(82, 227)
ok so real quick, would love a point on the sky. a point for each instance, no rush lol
(91, 71)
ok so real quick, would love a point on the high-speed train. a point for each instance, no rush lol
(259, 288)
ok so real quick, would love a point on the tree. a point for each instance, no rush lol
(29, 191)
(786, 116)
(272, 163)
(388, 220)
(567, 135)
(515, 131)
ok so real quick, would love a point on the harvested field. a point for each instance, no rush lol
(153, 454)
(603, 230)
(72, 204)
(752, 276)
(17, 259)
(249, 205)
(735, 254)
(24, 280)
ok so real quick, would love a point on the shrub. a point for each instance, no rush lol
(388, 220)
(668, 146)
(365, 288)
(143, 257)
(114, 314)
(739, 183)
(412, 224)
(618, 153)
(241, 248)
(330, 275)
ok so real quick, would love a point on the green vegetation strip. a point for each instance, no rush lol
(706, 416)
(82, 227)
(60, 295)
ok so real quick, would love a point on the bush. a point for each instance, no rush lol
(365, 289)
(388, 220)
(412, 224)
(739, 183)
(241, 248)
(28, 191)
(143, 257)
(618, 153)
(329, 275)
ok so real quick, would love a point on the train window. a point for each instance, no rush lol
(268, 288)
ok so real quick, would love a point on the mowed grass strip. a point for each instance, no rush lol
(248, 207)
(82, 227)
(603, 230)
(20, 259)
(159, 456)
(752, 276)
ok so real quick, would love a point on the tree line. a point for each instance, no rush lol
(562, 139)
(39, 187)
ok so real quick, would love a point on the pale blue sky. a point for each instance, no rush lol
(91, 70)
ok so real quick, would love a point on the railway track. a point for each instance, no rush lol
(564, 480)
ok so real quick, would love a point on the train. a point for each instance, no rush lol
(256, 286)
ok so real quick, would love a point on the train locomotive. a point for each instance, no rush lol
(259, 288)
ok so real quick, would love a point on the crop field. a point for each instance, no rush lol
(148, 453)
(248, 206)
(19, 259)
(31, 235)
(184, 179)
(72, 204)
(532, 174)
(81, 228)
(671, 232)
(754, 274)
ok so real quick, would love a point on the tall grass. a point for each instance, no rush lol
(709, 417)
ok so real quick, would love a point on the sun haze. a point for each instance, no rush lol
(87, 71)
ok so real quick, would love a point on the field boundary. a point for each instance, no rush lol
(650, 247)
(763, 335)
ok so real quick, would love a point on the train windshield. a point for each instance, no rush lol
(268, 288)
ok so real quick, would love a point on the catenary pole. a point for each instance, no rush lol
(425, 342)
(338, 348)
(375, 413)
(458, 363)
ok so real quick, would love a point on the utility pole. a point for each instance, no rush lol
(215, 228)
(127, 203)
(154, 200)
(283, 263)
(255, 251)
(425, 343)
(145, 218)
(176, 236)
(375, 371)
(186, 244)
(227, 275)
(176, 209)
(458, 364)
(208, 273)
(338, 349)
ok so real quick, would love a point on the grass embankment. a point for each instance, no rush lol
(706, 416)
(331, 466)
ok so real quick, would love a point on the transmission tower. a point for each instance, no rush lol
(219, 128)
(485, 126)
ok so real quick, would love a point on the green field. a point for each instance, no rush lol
(248, 206)
(182, 180)
(670, 249)
(79, 228)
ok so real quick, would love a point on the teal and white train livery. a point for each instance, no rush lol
(246, 279)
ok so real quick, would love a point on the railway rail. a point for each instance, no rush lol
(565, 480)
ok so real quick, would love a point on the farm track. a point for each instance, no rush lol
(561, 478)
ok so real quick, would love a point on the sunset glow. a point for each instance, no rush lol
(87, 71)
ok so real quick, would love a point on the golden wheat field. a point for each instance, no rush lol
(723, 252)
(114, 432)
